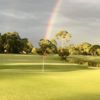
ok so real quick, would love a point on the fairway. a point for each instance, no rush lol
(21, 78)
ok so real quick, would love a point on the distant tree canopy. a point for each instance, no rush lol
(63, 36)
(95, 50)
(84, 49)
(47, 47)
(11, 42)
(63, 53)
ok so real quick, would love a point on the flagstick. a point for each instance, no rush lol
(43, 64)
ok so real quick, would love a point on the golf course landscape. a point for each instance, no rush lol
(22, 78)
(49, 49)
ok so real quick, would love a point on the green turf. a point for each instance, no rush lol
(73, 85)
(63, 82)
(27, 58)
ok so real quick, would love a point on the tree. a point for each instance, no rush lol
(26, 46)
(1, 44)
(63, 36)
(84, 48)
(46, 47)
(63, 53)
(53, 41)
(98, 52)
(33, 51)
(95, 50)
(11, 42)
(73, 50)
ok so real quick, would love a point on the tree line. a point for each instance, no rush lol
(11, 42)
(64, 50)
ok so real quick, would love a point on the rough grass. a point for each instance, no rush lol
(27, 82)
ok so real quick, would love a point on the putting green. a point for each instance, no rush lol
(58, 82)
(72, 85)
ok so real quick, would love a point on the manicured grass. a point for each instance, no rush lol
(63, 82)
(28, 58)
(73, 85)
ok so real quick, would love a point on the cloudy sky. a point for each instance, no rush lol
(30, 17)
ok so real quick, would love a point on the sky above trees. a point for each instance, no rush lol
(30, 17)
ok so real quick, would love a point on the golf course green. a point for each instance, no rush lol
(22, 78)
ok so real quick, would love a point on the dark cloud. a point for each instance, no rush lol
(81, 18)
(30, 17)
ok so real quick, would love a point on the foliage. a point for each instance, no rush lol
(63, 36)
(33, 51)
(84, 48)
(53, 41)
(26, 45)
(1, 44)
(63, 53)
(95, 50)
(11, 42)
(73, 50)
(46, 47)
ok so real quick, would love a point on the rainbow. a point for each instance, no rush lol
(52, 19)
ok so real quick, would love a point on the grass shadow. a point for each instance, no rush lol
(47, 68)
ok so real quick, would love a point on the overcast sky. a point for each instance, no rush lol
(30, 17)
